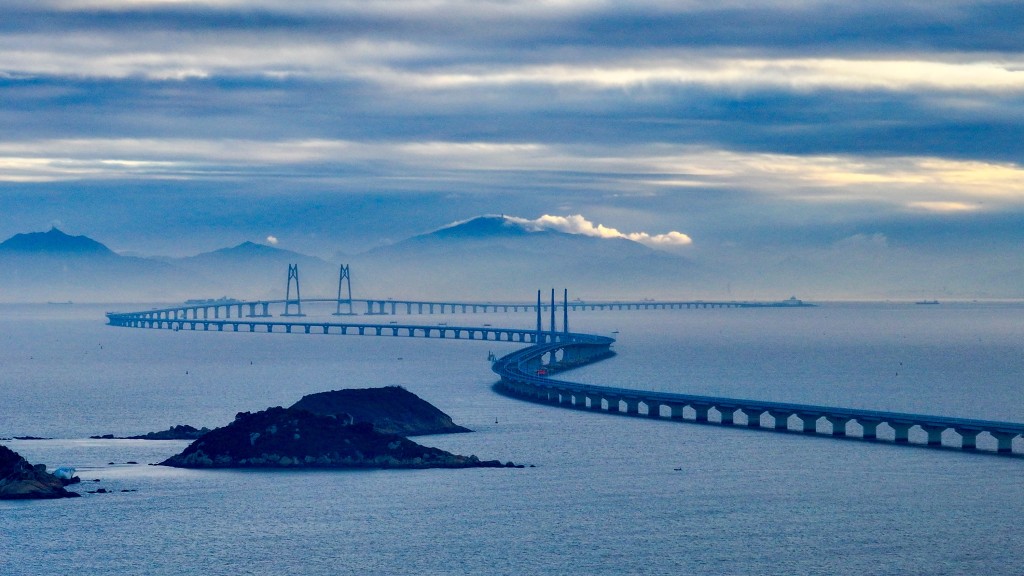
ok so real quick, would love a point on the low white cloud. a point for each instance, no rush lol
(577, 224)
(272, 240)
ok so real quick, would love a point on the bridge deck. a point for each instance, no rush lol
(372, 306)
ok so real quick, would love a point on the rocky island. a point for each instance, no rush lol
(20, 480)
(391, 410)
(179, 432)
(296, 438)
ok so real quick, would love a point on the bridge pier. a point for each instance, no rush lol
(1004, 441)
(579, 401)
(781, 419)
(676, 410)
(809, 423)
(552, 395)
(701, 412)
(902, 430)
(968, 438)
(838, 425)
(653, 408)
(726, 415)
(565, 397)
(753, 416)
(870, 428)
(934, 434)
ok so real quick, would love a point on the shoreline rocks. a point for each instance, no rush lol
(20, 480)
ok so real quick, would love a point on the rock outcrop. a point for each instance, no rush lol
(392, 410)
(179, 432)
(293, 438)
(20, 480)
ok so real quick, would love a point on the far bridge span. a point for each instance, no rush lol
(228, 308)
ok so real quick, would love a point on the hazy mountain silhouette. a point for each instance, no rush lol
(54, 266)
(255, 271)
(52, 243)
(486, 258)
(493, 257)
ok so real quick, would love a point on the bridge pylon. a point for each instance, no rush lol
(540, 327)
(344, 277)
(293, 274)
(553, 308)
(565, 310)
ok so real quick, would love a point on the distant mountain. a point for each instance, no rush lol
(53, 242)
(500, 233)
(54, 266)
(494, 257)
(254, 271)
(249, 252)
(485, 227)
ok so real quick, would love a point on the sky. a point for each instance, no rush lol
(846, 149)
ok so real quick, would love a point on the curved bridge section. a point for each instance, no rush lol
(525, 374)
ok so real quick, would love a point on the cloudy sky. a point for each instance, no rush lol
(853, 148)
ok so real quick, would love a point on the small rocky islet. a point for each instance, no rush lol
(178, 432)
(353, 428)
(296, 438)
(391, 410)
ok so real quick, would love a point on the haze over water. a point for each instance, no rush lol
(605, 496)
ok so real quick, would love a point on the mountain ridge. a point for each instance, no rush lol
(487, 256)
(53, 241)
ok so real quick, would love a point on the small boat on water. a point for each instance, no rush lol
(927, 302)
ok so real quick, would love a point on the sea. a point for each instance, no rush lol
(600, 494)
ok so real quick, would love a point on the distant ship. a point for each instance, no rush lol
(202, 301)
(928, 302)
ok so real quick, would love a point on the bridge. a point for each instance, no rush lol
(526, 373)
(226, 308)
(130, 320)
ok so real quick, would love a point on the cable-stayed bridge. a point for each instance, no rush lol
(527, 373)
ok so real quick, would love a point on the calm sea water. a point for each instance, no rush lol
(605, 496)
